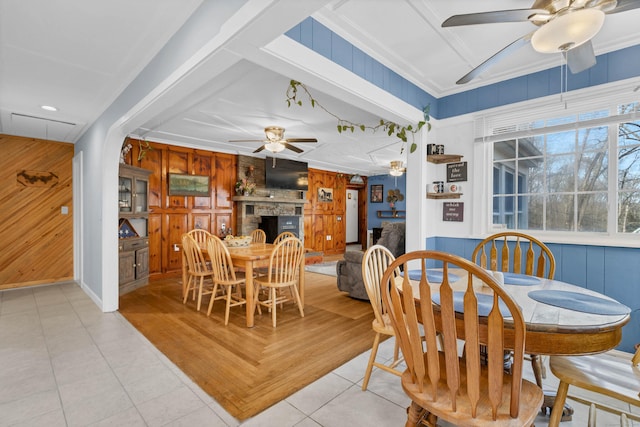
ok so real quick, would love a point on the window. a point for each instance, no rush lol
(564, 178)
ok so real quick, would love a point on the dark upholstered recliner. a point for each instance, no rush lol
(350, 268)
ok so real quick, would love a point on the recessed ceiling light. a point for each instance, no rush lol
(48, 108)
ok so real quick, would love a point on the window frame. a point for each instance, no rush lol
(541, 110)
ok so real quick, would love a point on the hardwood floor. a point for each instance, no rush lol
(249, 369)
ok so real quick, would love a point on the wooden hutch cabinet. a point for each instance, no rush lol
(133, 246)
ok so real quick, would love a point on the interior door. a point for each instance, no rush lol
(352, 216)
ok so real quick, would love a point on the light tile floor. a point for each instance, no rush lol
(65, 363)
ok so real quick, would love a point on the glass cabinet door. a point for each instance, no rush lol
(125, 194)
(141, 203)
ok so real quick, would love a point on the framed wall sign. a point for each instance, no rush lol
(457, 172)
(377, 192)
(453, 211)
(188, 185)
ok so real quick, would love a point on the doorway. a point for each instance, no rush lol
(352, 232)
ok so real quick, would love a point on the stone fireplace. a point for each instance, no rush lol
(265, 202)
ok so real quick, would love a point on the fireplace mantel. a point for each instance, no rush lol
(250, 209)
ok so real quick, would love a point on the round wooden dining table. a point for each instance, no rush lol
(551, 329)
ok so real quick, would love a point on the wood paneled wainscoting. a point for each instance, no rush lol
(36, 212)
(171, 216)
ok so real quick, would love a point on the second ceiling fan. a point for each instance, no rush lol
(564, 26)
(275, 141)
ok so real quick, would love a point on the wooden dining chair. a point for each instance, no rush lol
(258, 236)
(198, 269)
(282, 236)
(282, 273)
(200, 236)
(613, 374)
(375, 261)
(442, 384)
(542, 264)
(225, 277)
(518, 253)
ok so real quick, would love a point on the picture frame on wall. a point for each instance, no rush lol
(188, 185)
(377, 193)
(325, 194)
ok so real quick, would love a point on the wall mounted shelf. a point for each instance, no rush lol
(444, 158)
(443, 195)
(391, 214)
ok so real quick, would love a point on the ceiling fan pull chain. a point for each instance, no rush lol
(563, 79)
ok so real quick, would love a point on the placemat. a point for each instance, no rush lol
(485, 302)
(520, 279)
(433, 275)
(579, 302)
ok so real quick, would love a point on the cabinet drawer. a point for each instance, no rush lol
(131, 245)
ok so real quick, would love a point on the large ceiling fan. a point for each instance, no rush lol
(275, 141)
(565, 26)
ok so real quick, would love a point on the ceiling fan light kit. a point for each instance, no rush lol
(274, 147)
(396, 168)
(568, 31)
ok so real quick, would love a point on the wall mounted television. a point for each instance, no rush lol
(286, 174)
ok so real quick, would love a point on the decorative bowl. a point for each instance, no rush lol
(234, 242)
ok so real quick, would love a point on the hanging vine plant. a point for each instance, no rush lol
(344, 125)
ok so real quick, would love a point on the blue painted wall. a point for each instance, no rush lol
(325, 42)
(610, 67)
(612, 271)
(389, 183)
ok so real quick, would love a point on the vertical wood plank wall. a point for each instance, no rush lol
(37, 239)
(171, 216)
(322, 219)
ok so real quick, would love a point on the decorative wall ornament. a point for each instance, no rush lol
(36, 178)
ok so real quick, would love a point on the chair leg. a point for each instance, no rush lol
(256, 300)
(372, 359)
(296, 295)
(396, 353)
(186, 290)
(213, 298)
(558, 404)
(200, 292)
(272, 294)
(226, 311)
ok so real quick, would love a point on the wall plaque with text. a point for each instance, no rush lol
(456, 172)
(453, 211)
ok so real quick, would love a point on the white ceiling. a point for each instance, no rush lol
(80, 56)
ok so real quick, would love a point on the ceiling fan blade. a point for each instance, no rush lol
(522, 41)
(580, 58)
(259, 149)
(515, 15)
(301, 140)
(293, 148)
(624, 5)
(246, 140)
